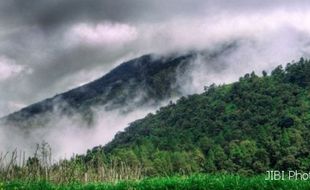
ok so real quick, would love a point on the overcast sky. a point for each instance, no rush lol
(50, 46)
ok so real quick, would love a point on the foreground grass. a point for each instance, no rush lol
(195, 182)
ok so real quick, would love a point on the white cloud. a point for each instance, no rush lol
(265, 39)
(70, 135)
(102, 34)
(207, 31)
(8, 68)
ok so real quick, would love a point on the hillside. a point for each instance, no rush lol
(252, 125)
(144, 80)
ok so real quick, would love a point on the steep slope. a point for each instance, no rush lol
(147, 79)
(248, 127)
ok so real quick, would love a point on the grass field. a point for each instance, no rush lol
(217, 182)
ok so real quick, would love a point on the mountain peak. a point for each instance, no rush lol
(154, 75)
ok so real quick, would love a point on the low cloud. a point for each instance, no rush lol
(48, 47)
(102, 34)
(8, 68)
(92, 42)
(69, 135)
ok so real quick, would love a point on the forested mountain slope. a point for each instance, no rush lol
(247, 127)
(144, 80)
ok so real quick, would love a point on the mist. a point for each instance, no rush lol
(83, 49)
(68, 136)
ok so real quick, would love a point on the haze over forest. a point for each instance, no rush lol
(50, 47)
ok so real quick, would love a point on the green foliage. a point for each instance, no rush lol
(255, 124)
(198, 182)
(247, 127)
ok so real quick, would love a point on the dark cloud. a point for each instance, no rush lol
(58, 44)
(50, 46)
(52, 13)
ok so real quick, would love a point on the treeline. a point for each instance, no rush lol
(247, 127)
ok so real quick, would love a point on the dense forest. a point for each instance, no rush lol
(247, 127)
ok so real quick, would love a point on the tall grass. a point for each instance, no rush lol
(17, 171)
(15, 166)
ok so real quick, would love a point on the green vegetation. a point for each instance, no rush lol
(247, 127)
(16, 167)
(229, 131)
(197, 182)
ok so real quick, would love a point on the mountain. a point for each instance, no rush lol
(247, 127)
(147, 79)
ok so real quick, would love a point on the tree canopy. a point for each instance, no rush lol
(246, 127)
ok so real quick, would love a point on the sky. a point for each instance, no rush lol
(50, 46)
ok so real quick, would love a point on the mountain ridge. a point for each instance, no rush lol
(153, 75)
(131, 75)
(247, 127)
